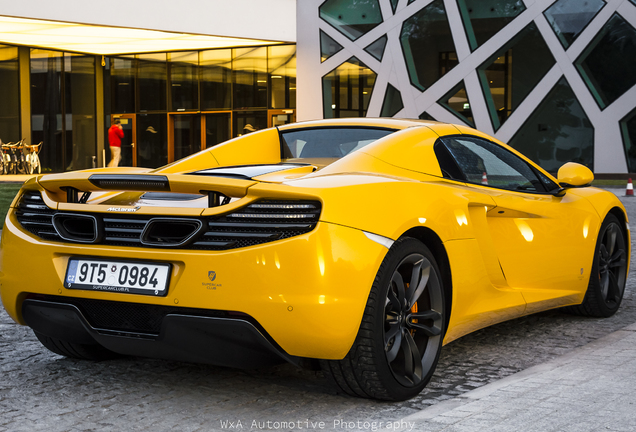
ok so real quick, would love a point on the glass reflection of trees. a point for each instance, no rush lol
(558, 131)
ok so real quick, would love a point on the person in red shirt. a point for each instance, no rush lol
(115, 135)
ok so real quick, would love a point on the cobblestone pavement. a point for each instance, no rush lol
(43, 391)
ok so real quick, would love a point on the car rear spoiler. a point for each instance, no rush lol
(78, 186)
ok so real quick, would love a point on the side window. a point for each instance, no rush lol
(483, 162)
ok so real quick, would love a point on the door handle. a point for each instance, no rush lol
(133, 145)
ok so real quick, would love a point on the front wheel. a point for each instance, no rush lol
(400, 338)
(609, 272)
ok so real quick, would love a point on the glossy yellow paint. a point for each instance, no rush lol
(311, 274)
(574, 174)
(510, 253)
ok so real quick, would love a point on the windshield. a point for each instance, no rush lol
(332, 142)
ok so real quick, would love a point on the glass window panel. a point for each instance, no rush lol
(250, 77)
(152, 140)
(628, 130)
(127, 142)
(328, 46)
(184, 80)
(428, 45)
(376, 49)
(249, 121)
(353, 18)
(456, 101)
(187, 135)
(10, 91)
(347, 90)
(568, 18)
(46, 107)
(511, 74)
(608, 63)
(153, 74)
(80, 134)
(392, 102)
(558, 131)
(122, 84)
(485, 18)
(282, 75)
(426, 116)
(216, 79)
(334, 142)
(476, 157)
(394, 4)
(217, 128)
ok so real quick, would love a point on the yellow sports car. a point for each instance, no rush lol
(362, 245)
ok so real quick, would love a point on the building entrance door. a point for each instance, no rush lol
(189, 133)
(128, 148)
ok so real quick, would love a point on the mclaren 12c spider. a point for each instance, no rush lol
(360, 245)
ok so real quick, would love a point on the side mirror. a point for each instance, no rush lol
(574, 175)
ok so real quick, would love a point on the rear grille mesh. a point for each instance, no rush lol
(260, 222)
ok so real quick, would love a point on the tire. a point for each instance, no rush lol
(394, 356)
(74, 350)
(609, 272)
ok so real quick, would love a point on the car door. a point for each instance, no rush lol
(543, 241)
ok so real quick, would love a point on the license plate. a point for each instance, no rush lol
(127, 277)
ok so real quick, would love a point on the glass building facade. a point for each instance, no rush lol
(170, 104)
(10, 91)
(523, 74)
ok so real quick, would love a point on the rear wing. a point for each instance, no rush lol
(78, 186)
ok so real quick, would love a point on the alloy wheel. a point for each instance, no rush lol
(413, 319)
(612, 264)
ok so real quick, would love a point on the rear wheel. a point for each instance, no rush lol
(399, 341)
(75, 350)
(609, 272)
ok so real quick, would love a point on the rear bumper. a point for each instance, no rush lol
(186, 336)
(307, 292)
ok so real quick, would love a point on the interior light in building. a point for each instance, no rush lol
(103, 40)
(466, 106)
(276, 76)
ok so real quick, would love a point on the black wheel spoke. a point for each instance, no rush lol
(613, 292)
(392, 302)
(398, 283)
(412, 358)
(618, 259)
(392, 344)
(432, 330)
(419, 279)
(603, 255)
(427, 315)
(610, 236)
(604, 281)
